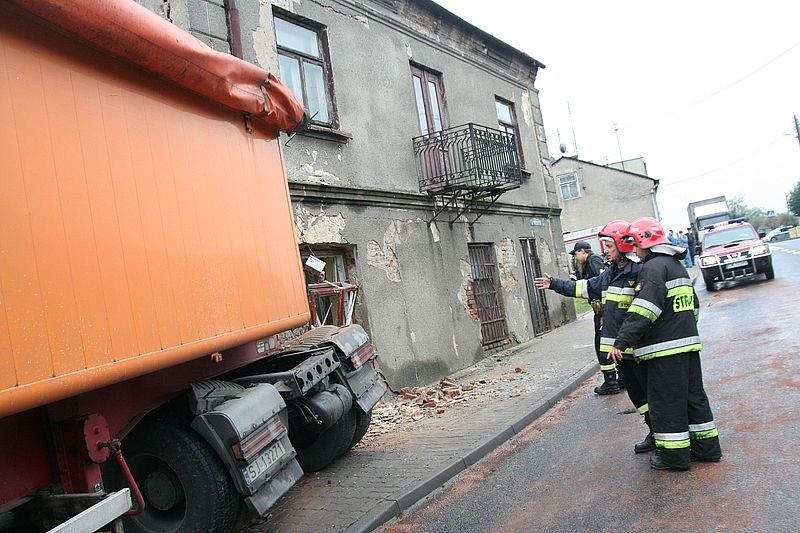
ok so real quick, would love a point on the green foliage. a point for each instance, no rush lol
(758, 216)
(581, 306)
(793, 200)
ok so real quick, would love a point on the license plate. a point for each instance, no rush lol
(737, 264)
(263, 462)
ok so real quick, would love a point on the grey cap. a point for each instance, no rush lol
(581, 245)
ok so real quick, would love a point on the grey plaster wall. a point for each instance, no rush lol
(606, 194)
(361, 189)
(416, 280)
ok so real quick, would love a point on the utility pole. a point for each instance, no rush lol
(616, 132)
(572, 125)
(797, 127)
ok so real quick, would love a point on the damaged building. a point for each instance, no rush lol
(420, 186)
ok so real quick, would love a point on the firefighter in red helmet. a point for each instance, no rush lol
(614, 288)
(661, 327)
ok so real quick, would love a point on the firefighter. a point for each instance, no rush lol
(661, 327)
(612, 290)
(587, 266)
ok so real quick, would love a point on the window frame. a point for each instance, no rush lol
(426, 77)
(513, 126)
(324, 61)
(561, 183)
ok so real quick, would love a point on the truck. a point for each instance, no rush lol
(149, 274)
(703, 214)
(732, 250)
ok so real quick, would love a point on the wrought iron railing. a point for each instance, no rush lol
(470, 158)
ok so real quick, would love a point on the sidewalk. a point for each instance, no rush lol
(387, 473)
(394, 467)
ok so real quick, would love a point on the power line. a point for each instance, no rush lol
(715, 93)
(726, 165)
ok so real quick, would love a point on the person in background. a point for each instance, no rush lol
(683, 242)
(672, 238)
(661, 327)
(691, 245)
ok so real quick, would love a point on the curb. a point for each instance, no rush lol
(393, 506)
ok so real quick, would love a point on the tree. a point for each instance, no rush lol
(755, 215)
(793, 200)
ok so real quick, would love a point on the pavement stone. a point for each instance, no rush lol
(386, 474)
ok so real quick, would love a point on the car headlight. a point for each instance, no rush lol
(709, 260)
(760, 249)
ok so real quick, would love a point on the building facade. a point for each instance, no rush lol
(422, 177)
(592, 195)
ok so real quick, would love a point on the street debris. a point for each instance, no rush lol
(412, 404)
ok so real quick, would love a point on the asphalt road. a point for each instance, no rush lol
(575, 470)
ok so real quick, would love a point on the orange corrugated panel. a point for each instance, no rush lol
(141, 226)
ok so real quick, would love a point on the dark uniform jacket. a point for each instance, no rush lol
(594, 266)
(614, 288)
(662, 319)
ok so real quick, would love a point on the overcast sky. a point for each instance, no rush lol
(705, 91)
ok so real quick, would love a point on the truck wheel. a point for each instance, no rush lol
(710, 287)
(362, 425)
(314, 454)
(185, 486)
(769, 272)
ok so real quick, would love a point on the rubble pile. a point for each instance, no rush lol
(412, 404)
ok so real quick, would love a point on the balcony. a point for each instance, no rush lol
(466, 164)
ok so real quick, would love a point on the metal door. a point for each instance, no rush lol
(494, 330)
(540, 315)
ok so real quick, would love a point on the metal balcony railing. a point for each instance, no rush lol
(470, 161)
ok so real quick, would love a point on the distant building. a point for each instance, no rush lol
(592, 194)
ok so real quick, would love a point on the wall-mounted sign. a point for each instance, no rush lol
(537, 222)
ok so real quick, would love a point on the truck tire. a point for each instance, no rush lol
(362, 425)
(769, 272)
(184, 484)
(314, 454)
(710, 287)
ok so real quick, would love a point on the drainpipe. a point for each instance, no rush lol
(235, 29)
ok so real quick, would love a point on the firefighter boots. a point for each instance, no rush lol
(647, 445)
(610, 384)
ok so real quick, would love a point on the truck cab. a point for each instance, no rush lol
(733, 250)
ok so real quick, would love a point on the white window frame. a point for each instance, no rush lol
(566, 181)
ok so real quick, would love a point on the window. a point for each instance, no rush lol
(332, 294)
(507, 121)
(303, 65)
(430, 100)
(569, 186)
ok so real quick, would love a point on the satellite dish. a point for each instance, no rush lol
(563, 148)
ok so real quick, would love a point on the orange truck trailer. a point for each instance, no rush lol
(148, 262)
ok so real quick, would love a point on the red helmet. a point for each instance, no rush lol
(616, 230)
(647, 232)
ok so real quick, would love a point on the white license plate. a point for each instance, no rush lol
(263, 462)
(737, 264)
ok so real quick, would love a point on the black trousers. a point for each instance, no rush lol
(635, 377)
(680, 414)
(602, 358)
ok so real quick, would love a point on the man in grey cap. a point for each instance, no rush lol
(588, 265)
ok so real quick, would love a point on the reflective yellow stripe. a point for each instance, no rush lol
(606, 368)
(672, 444)
(606, 348)
(688, 348)
(642, 409)
(581, 289)
(623, 300)
(648, 314)
(708, 434)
